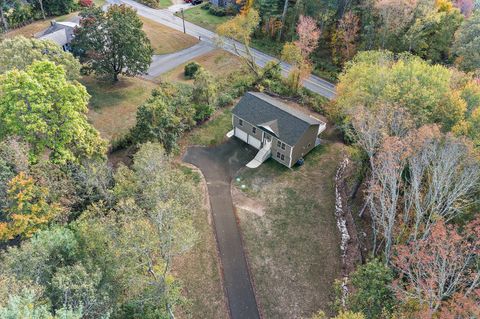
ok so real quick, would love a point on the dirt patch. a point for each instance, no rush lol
(241, 201)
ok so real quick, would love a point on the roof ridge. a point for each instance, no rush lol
(285, 108)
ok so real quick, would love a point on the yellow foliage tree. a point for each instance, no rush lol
(28, 208)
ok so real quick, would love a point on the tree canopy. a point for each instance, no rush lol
(113, 42)
(19, 52)
(41, 106)
(467, 44)
(430, 93)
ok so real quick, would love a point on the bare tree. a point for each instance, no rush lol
(443, 175)
(384, 191)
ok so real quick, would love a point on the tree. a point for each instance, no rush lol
(241, 28)
(344, 39)
(465, 6)
(430, 93)
(28, 209)
(396, 15)
(431, 37)
(113, 42)
(204, 88)
(436, 267)
(163, 118)
(372, 293)
(48, 112)
(29, 305)
(19, 52)
(298, 53)
(54, 7)
(467, 44)
(308, 35)
(417, 179)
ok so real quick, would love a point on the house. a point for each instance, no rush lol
(61, 33)
(275, 129)
(222, 3)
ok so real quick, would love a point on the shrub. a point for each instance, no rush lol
(217, 11)
(191, 69)
(203, 112)
(206, 6)
(150, 3)
(231, 9)
(224, 99)
(85, 3)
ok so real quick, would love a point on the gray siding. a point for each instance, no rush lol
(247, 128)
(278, 149)
(305, 144)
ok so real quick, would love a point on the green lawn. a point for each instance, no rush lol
(99, 2)
(203, 18)
(165, 4)
(212, 132)
(113, 107)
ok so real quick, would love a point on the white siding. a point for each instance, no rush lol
(241, 134)
(254, 142)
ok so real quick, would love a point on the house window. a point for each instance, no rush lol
(283, 146)
(279, 143)
(254, 130)
(240, 122)
(282, 157)
(278, 154)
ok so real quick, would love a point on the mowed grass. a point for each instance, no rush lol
(218, 62)
(113, 106)
(198, 270)
(294, 248)
(213, 131)
(166, 40)
(203, 18)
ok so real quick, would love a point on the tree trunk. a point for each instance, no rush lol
(41, 8)
(115, 77)
(284, 16)
(4, 21)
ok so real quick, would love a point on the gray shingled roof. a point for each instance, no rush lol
(59, 32)
(261, 110)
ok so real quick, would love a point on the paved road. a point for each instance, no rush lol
(167, 18)
(166, 62)
(219, 165)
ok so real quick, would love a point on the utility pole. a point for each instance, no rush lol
(183, 19)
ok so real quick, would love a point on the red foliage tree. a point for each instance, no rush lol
(85, 3)
(440, 268)
(308, 35)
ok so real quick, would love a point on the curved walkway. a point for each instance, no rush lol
(219, 165)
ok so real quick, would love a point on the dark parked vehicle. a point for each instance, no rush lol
(196, 2)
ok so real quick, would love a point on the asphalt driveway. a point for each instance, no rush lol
(219, 165)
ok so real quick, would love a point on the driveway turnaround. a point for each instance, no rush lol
(166, 17)
(219, 165)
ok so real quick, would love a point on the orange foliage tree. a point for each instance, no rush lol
(28, 208)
